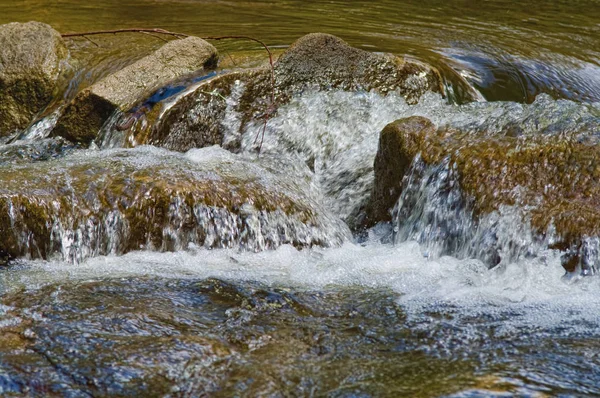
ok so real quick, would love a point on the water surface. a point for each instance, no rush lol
(511, 50)
(369, 318)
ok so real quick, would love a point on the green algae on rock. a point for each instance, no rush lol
(85, 115)
(115, 202)
(32, 56)
(552, 179)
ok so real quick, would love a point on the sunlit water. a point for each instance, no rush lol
(509, 50)
(364, 313)
(387, 314)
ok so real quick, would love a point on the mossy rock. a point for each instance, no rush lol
(114, 202)
(32, 56)
(554, 179)
(89, 110)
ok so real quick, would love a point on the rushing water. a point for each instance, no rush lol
(408, 308)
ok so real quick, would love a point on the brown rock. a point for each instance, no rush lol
(31, 55)
(399, 143)
(554, 180)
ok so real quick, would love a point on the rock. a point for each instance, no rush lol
(552, 179)
(34, 150)
(86, 114)
(327, 61)
(198, 119)
(117, 201)
(4, 258)
(316, 61)
(398, 146)
(31, 59)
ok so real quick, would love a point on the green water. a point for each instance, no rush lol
(511, 50)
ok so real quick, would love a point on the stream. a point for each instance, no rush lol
(251, 303)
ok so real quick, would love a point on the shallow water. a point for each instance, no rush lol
(393, 312)
(369, 320)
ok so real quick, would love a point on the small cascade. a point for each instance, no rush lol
(42, 128)
(335, 134)
(115, 201)
(434, 211)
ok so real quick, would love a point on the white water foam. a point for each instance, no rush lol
(337, 133)
(531, 291)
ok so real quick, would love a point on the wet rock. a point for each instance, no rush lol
(398, 146)
(31, 59)
(118, 201)
(553, 180)
(218, 110)
(34, 151)
(86, 114)
(200, 118)
(147, 336)
(4, 258)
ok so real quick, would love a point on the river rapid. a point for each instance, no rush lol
(387, 312)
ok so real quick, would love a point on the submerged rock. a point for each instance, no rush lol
(85, 115)
(218, 110)
(145, 336)
(114, 202)
(552, 180)
(34, 151)
(31, 58)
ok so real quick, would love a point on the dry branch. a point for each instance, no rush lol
(128, 30)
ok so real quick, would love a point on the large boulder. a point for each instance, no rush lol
(116, 201)
(218, 110)
(552, 180)
(85, 115)
(31, 58)
(326, 61)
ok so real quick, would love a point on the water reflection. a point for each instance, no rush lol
(518, 49)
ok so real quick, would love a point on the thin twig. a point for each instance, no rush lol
(270, 108)
(230, 58)
(91, 41)
(155, 36)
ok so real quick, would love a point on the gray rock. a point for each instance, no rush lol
(31, 55)
(86, 114)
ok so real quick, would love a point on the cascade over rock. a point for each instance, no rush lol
(552, 178)
(315, 61)
(116, 201)
(31, 58)
(85, 115)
